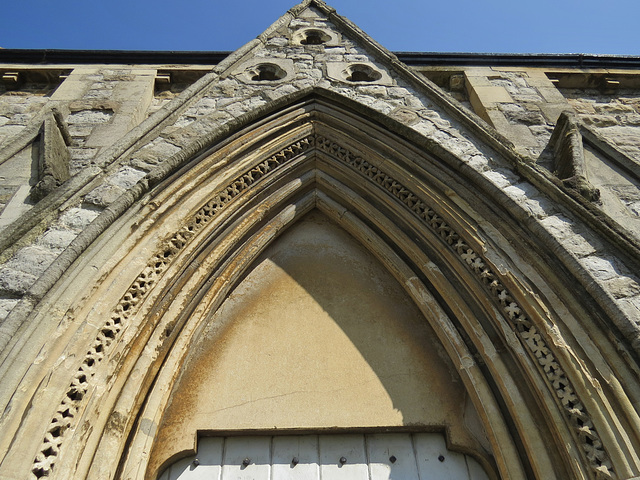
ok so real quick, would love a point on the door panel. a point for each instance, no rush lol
(247, 458)
(351, 448)
(389, 456)
(435, 462)
(302, 448)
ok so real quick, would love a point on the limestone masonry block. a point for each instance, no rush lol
(493, 94)
(32, 260)
(90, 116)
(500, 179)
(6, 305)
(104, 195)
(601, 268)
(552, 95)
(15, 282)
(126, 177)
(56, 239)
(78, 218)
(623, 287)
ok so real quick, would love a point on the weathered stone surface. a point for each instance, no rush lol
(278, 41)
(516, 113)
(527, 117)
(17, 109)
(80, 130)
(6, 305)
(561, 228)
(405, 116)
(15, 282)
(501, 179)
(54, 156)
(615, 115)
(78, 218)
(104, 195)
(631, 307)
(398, 92)
(153, 153)
(90, 117)
(83, 153)
(8, 131)
(56, 239)
(126, 177)
(601, 268)
(32, 260)
(281, 91)
(622, 287)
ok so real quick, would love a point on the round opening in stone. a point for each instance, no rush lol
(314, 37)
(361, 73)
(267, 72)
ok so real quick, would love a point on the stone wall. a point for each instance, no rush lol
(100, 104)
(19, 106)
(103, 104)
(614, 114)
(522, 104)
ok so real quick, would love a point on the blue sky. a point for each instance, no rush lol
(543, 26)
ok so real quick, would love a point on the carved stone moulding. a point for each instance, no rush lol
(427, 215)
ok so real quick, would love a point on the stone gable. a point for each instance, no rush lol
(503, 199)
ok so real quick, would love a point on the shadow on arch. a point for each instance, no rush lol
(325, 270)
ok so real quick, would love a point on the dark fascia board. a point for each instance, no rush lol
(544, 60)
(119, 57)
(414, 59)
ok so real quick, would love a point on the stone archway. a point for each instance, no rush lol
(194, 237)
(318, 336)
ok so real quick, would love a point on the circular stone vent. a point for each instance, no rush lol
(360, 72)
(314, 37)
(266, 72)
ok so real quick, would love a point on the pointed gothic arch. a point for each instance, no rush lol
(444, 233)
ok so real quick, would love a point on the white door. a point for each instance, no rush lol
(392, 456)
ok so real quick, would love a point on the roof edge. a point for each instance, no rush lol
(415, 59)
